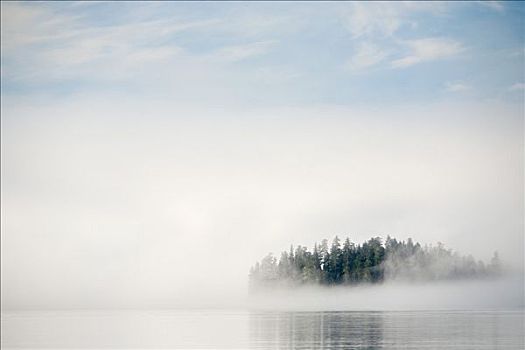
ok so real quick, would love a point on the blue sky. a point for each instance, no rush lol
(266, 53)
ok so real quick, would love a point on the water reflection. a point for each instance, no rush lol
(316, 330)
(386, 330)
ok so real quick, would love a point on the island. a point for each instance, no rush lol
(373, 261)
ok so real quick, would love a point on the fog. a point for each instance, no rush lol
(505, 293)
(125, 204)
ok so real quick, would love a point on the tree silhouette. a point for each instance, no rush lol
(370, 262)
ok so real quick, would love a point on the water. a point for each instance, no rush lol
(219, 329)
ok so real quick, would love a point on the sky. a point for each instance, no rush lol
(153, 151)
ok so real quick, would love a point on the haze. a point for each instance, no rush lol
(153, 169)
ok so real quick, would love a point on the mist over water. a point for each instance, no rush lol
(504, 293)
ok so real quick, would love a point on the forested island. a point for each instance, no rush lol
(373, 261)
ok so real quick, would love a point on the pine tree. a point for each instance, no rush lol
(336, 262)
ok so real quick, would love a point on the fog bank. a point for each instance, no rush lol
(113, 203)
(504, 293)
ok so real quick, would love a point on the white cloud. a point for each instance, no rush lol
(456, 86)
(276, 75)
(248, 24)
(429, 49)
(43, 45)
(378, 21)
(416, 51)
(383, 18)
(25, 25)
(367, 55)
(517, 87)
(240, 52)
(365, 19)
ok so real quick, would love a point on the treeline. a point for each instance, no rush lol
(370, 262)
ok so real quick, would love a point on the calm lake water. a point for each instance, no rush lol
(213, 329)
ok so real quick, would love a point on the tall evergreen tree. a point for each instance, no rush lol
(335, 270)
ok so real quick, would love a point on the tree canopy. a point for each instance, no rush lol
(370, 262)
